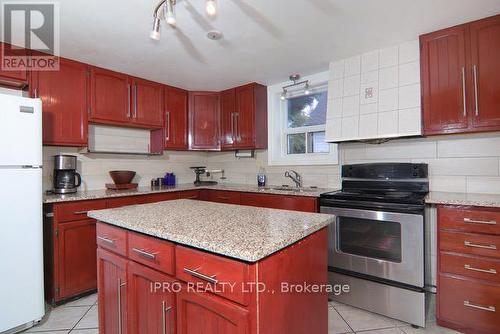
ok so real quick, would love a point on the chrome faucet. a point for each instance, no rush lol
(296, 178)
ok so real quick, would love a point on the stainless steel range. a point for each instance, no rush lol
(377, 243)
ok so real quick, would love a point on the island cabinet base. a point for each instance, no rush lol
(207, 293)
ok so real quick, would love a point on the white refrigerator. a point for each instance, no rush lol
(21, 236)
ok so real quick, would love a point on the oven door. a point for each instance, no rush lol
(386, 245)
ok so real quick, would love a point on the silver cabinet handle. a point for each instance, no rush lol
(164, 310)
(237, 118)
(120, 285)
(233, 137)
(195, 273)
(35, 93)
(167, 125)
(49, 215)
(106, 240)
(80, 212)
(487, 271)
(485, 222)
(145, 254)
(474, 69)
(470, 244)
(484, 308)
(135, 101)
(464, 94)
(128, 100)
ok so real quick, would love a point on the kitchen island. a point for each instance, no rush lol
(186, 266)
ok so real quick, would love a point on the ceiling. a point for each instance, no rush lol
(264, 40)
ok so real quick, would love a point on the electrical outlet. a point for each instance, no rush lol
(368, 93)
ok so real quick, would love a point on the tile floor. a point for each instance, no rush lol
(80, 317)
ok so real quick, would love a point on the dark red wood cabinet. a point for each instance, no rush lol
(468, 291)
(16, 78)
(147, 103)
(64, 100)
(204, 118)
(295, 203)
(244, 117)
(176, 119)
(460, 78)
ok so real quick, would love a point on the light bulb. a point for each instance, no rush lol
(211, 7)
(155, 33)
(170, 13)
(283, 95)
(307, 91)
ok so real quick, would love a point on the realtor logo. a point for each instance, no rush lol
(30, 32)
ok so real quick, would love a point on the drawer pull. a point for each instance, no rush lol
(145, 254)
(195, 273)
(80, 212)
(470, 244)
(484, 308)
(484, 222)
(487, 271)
(106, 240)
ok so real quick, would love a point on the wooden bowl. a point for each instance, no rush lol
(122, 176)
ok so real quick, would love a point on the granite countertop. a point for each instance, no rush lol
(241, 232)
(486, 200)
(104, 193)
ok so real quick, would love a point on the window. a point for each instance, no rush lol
(297, 125)
(305, 128)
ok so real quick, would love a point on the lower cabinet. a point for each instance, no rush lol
(76, 263)
(112, 293)
(151, 301)
(208, 314)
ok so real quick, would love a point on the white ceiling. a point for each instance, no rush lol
(264, 40)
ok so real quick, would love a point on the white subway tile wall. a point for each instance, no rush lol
(389, 81)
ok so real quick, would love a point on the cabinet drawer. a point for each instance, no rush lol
(470, 266)
(152, 252)
(72, 211)
(124, 201)
(468, 304)
(470, 243)
(230, 197)
(190, 194)
(112, 238)
(295, 203)
(225, 277)
(469, 219)
(168, 196)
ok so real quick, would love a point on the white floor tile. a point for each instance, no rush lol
(90, 320)
(85, 331)
(383, 331)
(360, 320)
(429, 329)
(336, 324)
(84, 301)
(61, 318)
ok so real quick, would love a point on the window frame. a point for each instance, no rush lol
(278, 128)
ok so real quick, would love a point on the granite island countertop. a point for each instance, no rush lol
(241, 232)
(485, 200)
(104, 193)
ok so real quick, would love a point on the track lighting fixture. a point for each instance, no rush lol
(295, 78)
(155, 33)
(211, 7)
(170, 12)
(165, 9)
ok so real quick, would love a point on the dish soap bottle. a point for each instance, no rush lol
(261, 177)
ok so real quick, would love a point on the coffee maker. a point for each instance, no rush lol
(66, 179)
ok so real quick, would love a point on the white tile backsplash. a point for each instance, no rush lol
(388, 99)
(369, 61)
(409, 73)
(388, 57)
(352, 66)
(351, 85)
(388, 123)
(409, 51)
(350, 106)
(388, 77)
(409, 96)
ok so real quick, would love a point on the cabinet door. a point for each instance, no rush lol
(12, 78)
(485, 55)
(110, 97)
(205, 313)
(228, 119)
(204, 121)
(147, 103)
(245, 117)
(176, 118)
(64, 100)
(444, 81)
(76, 258)
(151, 301)
(111, 286)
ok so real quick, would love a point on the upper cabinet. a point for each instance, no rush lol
(15, 78)
(176, 118)
(244, 117)
(64, 100)
(204, 118)
(118, 99)
(461, 78)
